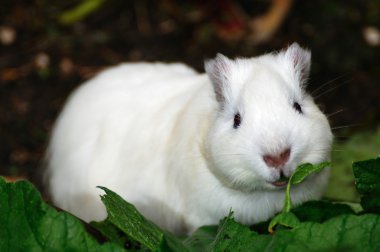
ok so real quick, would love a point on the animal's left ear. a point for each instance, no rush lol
(301, 60)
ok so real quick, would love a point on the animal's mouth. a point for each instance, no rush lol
(281, 182)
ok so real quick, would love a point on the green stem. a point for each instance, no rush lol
(287, 201)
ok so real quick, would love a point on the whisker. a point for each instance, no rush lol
(334, 113)
(308, 152)
(317, 150)
(327, 83)
(345, 126)
(332, 89)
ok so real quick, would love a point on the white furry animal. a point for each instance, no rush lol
(186, 148)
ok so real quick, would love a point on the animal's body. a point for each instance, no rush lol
(186, 148)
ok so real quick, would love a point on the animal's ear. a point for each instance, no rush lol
(219, 70)
(301, 60)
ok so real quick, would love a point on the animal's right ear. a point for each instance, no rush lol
(301, 60)
(219, 72)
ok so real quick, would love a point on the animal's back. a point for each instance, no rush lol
(115, 131)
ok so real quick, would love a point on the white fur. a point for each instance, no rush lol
(156, 135)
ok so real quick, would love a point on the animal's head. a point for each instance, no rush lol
(267, 123)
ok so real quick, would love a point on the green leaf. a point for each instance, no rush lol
(312, 211)
(342, 233)
(305, 170)
(233, 236)
(346, 232)
(367, 174)
(112, 233)
(298, 176)
(286, 219)
(29, 224)
(125, 217)
(370, 203)
(320, 211)
(201, 239)
(171, 243)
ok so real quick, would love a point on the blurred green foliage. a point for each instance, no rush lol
(78, 13)
(360, 146)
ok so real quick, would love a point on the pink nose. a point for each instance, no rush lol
(278, 160)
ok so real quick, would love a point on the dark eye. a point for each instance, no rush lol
(237, 120)
(297, 107)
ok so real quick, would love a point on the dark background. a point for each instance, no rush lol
(43, 57)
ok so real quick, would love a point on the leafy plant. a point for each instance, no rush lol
(29, 224)
(368, 184)
(286, 218)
